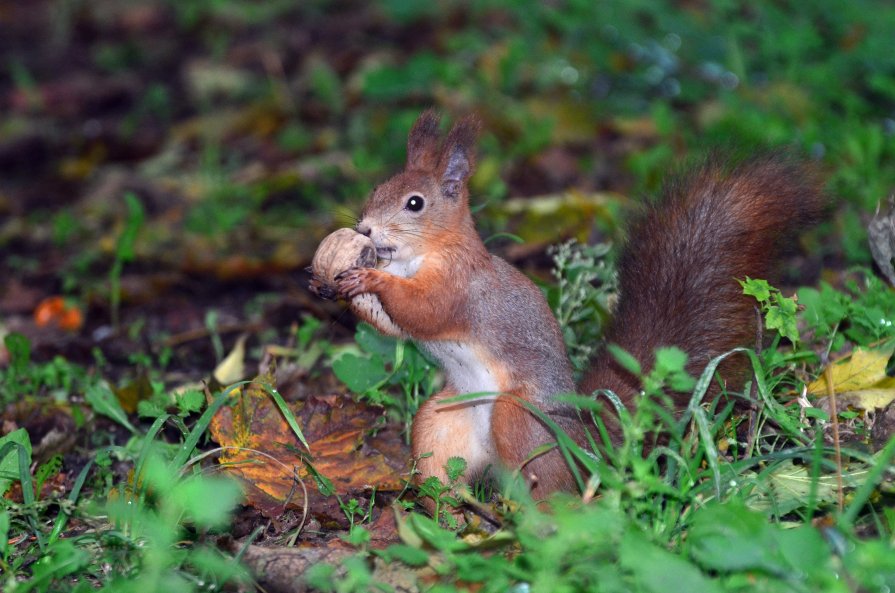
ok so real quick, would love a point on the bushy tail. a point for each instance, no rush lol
(677, 276)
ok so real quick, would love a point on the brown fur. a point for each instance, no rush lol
(422, 142)
(678, 274)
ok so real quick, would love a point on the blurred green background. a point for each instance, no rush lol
(245, 130)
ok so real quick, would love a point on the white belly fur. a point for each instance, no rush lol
(467, 373)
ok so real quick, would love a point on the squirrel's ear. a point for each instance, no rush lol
(422, 143)
(457, 160)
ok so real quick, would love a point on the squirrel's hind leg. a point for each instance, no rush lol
(453, 430)
(517, 433)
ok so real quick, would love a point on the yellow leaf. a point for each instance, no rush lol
(572, 121)
(863, 369)
(541, 219)
(232, 368)
(867, 399)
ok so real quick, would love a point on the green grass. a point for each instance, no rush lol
(138, 527)
(701, 510)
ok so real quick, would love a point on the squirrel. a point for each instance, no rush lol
(492, 332)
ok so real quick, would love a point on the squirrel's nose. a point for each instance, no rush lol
(363, 229)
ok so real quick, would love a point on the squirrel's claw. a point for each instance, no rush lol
(321, 289)
(353, 282)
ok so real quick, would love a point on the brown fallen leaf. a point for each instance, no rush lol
(261, 449)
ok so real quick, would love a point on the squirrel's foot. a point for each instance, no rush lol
(355, 281)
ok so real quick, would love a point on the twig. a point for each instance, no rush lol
(203, 332)
(831, 394)
(296, 479)
(755, 406)
(481, 509)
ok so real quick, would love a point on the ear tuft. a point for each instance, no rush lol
(422, 143)
(457, 161)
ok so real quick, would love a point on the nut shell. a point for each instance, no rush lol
(342, 250)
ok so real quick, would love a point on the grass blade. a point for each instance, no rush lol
(27, 485)
(287, 414)
(186, 449)
(73, 496)
(862, 494)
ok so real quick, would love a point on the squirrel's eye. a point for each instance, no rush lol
(415, 203)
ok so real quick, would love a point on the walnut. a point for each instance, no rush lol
(342, 250)
(339, 251)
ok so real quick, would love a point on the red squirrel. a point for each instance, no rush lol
(491, 330)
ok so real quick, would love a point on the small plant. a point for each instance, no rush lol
(25, 378)
(779, 311)
(124, 251)
(384, 365)
(309, 346)
(444, 496)
(580, 300)
(163, 401)
(154, 519)
(354, 511)
(863, 313)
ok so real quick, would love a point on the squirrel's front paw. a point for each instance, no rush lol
(355, 281)
(321, 289)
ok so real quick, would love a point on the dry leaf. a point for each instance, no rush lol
(133, 392)
(232, 368)
(866, 399)
(863, 369)
(540, 219)
(263, 451)
(572, 121)
(256, 436)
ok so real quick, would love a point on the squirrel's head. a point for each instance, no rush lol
(427, 204)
